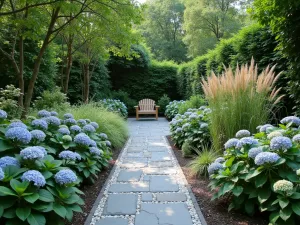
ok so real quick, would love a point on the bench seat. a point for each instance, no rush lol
(146, 106)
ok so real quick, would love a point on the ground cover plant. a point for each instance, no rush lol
(115, 105)
(240, 100)
(43, 161)
(191, 127)
(172, 109)
(261, 172)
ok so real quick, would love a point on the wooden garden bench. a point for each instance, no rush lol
(146, 106)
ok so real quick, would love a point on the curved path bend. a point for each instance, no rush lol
(146, 186)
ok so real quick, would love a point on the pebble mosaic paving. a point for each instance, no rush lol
(147, 186)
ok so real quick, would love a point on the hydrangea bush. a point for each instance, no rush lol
(172, 109)
(262, 172)
(192, 127)
(42, 162)
(115, 105)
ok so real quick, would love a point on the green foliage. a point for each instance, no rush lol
(111, 123)
(187, 150)
(202, 161)
(8, 101)
(114, 105)
(52, 100)
(191, 127)
(163, 102)
(257, 182)
(172, 109)
(194, 102)
(124, 97)
(46, 195)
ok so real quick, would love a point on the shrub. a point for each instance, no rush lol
(261, 173)
(52, 100)
(111, 123)
(187, 150)
(192, 127)
(239, 101)
(194, 102)
(201, 163)
(8, 101)
(41, 163)
(124, 97)
(114, 105)
(163, 102)
(172, 109)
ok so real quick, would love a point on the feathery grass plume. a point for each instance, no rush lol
(239, 100)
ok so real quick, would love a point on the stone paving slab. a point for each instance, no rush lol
(146, 186)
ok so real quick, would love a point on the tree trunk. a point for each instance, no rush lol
(21, 71)
(69, 64)
(86, 83)
(38, 61)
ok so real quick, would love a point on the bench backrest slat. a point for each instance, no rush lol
(146, 104)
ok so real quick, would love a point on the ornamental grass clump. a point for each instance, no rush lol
(43, 162)
(239, 100)
(191, 127)
(262, 173)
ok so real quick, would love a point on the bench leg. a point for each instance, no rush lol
(156, 114)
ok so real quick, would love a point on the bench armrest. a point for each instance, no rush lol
(157, 106)
(136, 106)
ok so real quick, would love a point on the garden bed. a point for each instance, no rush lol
(91, 192)
(214, 212)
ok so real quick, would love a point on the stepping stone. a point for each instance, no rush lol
(146, 178)
(148, 154)
(131, 187)
(129, 175)
(163, 214)
(163, 184)
(160, 171)
(161, 164)
(157, 149)
(112, 221)
(121, 204)
(160, 156)
(134, 162)
(134, 155)
(156, 144)
(171, 197)
(136, 149)
(147, 197)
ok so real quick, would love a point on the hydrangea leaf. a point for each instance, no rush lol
(36, 219)
(237, 190)
(32, 198)
(23, 213)
(4, 145)
(296, 208)
(283, 202)
(285, 213)
(261, 180)
(263, 194)
(45, 196)
(59, 210)
(4, 191)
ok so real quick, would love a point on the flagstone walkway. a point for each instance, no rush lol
(147, 186)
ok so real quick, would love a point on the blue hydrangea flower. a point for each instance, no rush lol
(265, 127)
(40, 124)
(32, 153)
(220, 160)
(43, 113)
(2, 175)
(185, 125)
(52, 120)
(203, 125)
(95, 151)
(296, 138)
(246, 141)
(17, 124)
(42, 149)
(81, 122)
(187, 113)
(93, 143)
(53, 113)
(95, 125)
(64, 131)
(278, 143)
(214, 167)
(108, 143)
(34, 176)
(66, 176)
(178, 130)
(3, 114)
(291, 119)
(38, 135)
(70, 121)
(193, 116)
(18, 134)
(69, 155)
(242, 133)
(82, 139)
(89, 128)
(266, 157)
(103, 135)
(8, 161)
(231, 143)
(253, 152)
(68, 116)
(75, 129)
